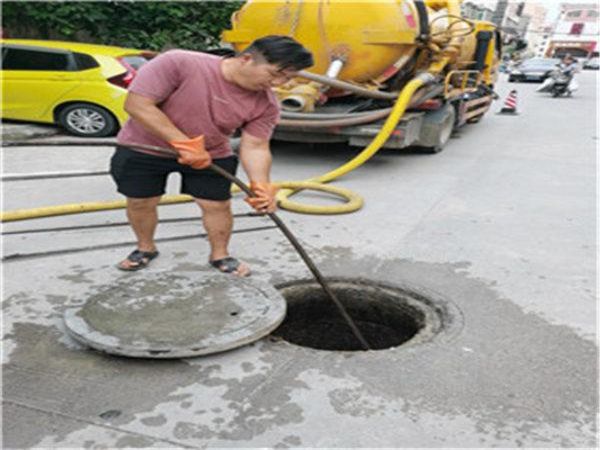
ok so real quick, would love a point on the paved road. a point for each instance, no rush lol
(502, 225)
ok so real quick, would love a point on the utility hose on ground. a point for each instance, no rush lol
(353, 200)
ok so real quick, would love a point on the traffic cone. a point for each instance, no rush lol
(510, 105)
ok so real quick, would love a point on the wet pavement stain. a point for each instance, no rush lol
(154, 421)
(78, 276)
(76, 383)
(133, 442)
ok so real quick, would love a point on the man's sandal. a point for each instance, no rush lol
(226, 265)
(140, 260)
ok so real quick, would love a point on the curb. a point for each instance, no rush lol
(22, 132)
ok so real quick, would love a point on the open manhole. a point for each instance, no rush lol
(387, 316)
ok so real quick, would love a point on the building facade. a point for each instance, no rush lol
(575, 31)
(475, 11)
(537, 33)
(509, 15)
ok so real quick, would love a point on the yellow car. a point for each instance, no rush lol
(81, 87)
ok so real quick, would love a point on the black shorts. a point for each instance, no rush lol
(139, 175)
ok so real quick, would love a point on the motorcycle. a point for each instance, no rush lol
(559, 82)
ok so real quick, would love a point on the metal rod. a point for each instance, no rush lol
(50, 175)
(113, 224)
(58, 143)
(65, 251)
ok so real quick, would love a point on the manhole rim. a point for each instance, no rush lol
(447, 323)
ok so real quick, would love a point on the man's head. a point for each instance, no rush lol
(568, 58)
(270, 61)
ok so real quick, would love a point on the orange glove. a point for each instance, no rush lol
(192, 152)
(265, 196)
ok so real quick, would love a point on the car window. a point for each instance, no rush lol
(24, 59)
(539, 63)
(85, 62)
(135, 61)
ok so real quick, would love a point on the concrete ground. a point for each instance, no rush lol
(502, 224)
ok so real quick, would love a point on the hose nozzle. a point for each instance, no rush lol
(301, 98)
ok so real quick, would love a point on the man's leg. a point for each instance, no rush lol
(218, 222)
(143, 218)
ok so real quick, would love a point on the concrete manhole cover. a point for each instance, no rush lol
(176, 315)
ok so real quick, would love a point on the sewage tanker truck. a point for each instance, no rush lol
(387, 73)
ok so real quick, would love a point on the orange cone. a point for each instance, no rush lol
(510, 105)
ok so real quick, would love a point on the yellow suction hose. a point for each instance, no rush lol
(353, 201)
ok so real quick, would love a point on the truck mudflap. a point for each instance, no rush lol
(437, 128)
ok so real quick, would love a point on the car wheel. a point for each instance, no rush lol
(511, 80)
(83, 119)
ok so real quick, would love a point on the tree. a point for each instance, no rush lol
(195, 25)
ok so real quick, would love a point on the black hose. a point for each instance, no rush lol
(423, 20)
(284, 229)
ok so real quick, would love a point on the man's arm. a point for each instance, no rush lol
(191, 151)
(255, 156)
(144, 110)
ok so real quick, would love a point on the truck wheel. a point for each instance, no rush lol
(84, 119)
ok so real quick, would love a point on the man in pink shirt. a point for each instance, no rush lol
(193, 102)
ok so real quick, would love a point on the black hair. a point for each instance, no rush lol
(283, 51)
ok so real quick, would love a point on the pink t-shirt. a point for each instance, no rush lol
(191, 90)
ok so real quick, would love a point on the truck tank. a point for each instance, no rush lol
(368, 36)
(368, 54)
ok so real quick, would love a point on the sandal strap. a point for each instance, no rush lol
(138, 256)
(226, 265)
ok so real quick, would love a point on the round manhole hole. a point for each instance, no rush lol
(387, 316)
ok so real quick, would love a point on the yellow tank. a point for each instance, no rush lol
(369, 35)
